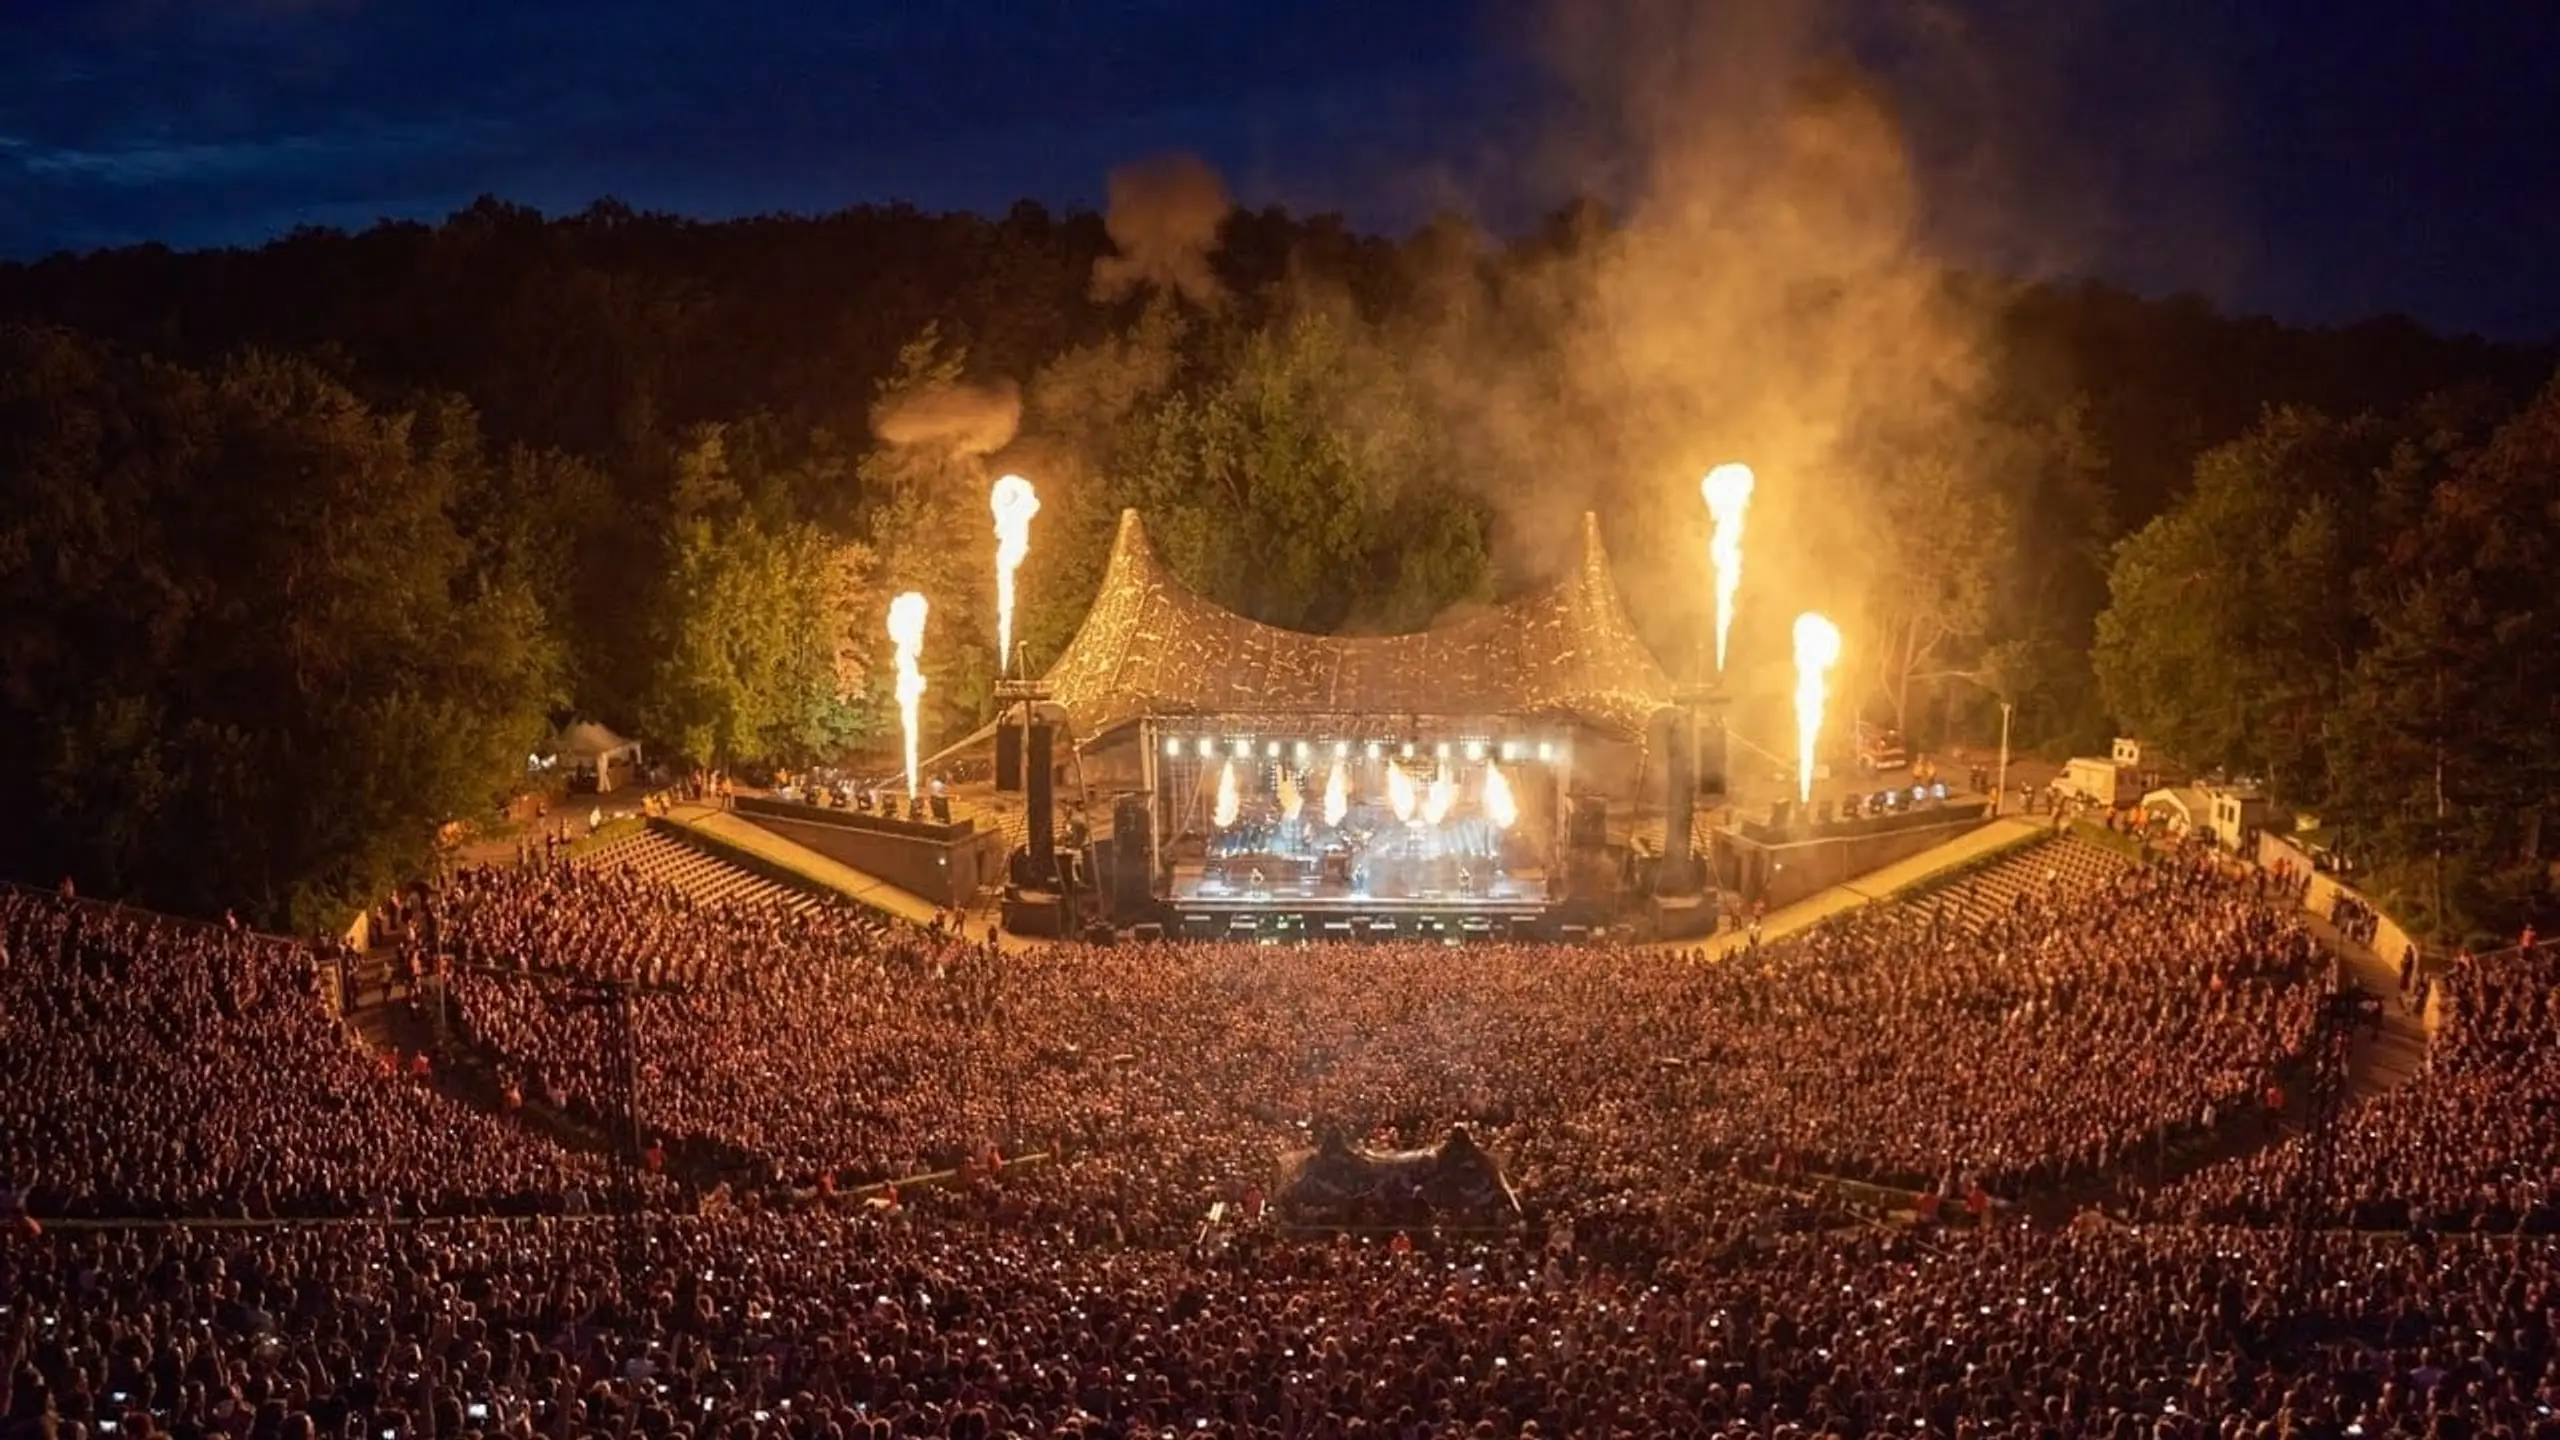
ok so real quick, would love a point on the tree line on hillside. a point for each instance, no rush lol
(305, 547)
(2365, 612)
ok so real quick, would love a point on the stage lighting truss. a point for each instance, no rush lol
(1304, 752)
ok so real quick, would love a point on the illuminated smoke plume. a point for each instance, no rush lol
(1728, 492)
(1015, 502)
(1337, 795)
(1499, 807)
(1291, 802)
(1230, 804)
(1817, 650)
(906, 631)
(966, 419)
(1400, 796)
(1437, 800)
(1164, 221)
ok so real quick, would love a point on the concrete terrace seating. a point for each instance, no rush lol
(2063, 866)
(704, 878)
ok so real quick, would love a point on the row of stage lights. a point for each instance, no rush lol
(1511, 752)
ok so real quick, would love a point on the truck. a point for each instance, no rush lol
(2097, 779)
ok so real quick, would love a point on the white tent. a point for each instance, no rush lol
(591, 749)
(2186, 808)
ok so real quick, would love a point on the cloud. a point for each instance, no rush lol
(147, 162)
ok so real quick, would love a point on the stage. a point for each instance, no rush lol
(1444, 858)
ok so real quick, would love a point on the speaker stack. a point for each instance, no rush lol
(1039, 784)
(1009, 754)
(1132, 854)
(1590, 823)
(1679, 809)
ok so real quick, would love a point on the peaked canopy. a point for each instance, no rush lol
(1151, 646)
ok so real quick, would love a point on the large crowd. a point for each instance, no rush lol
(154, 1068)
(2079, 1030)
(1691, 1141)
(2473, 1142)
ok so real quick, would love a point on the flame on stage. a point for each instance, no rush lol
(1442, 795)
(1817, 650)
(1291, 802)
(1229, 803)
(1400, 796)
(906, 631)
(1337, 795)
(1014, 502)
(1728, 492)
(1499, 807)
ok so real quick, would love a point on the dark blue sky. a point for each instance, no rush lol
(2324, 161)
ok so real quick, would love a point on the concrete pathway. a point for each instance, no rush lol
(2386, 1059)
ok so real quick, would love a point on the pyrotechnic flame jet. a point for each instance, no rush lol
(1230, 805)
(1437, 800)
(1499, 807)
(1728, 492)
(1291, 802)
(1014, 502)
(1817, 650)
(1400, 796)
(906, 631)
(1337, 795)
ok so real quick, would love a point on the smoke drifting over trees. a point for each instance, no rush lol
(966, 419)
(1164, 221)
(1764, 298)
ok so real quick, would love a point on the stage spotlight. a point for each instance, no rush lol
(1271, 751)
(1244, 748)
(1208, 748)
(1546, 751)
(1443, 752)
(1510, 751)
(1341, 749)
(1408, 749)
(1373, 750)
(1302, 750)
(1475, 751)
(1172, 748)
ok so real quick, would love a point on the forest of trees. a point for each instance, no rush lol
(305, 548)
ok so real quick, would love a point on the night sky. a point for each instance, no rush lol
(2324, 161)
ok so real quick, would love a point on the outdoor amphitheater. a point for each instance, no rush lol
(1252, 1034)
(1255, 1034)
(2069, 1137)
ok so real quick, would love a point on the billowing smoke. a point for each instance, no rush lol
(966, 419)
(1164, 221)
(1754, 282)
